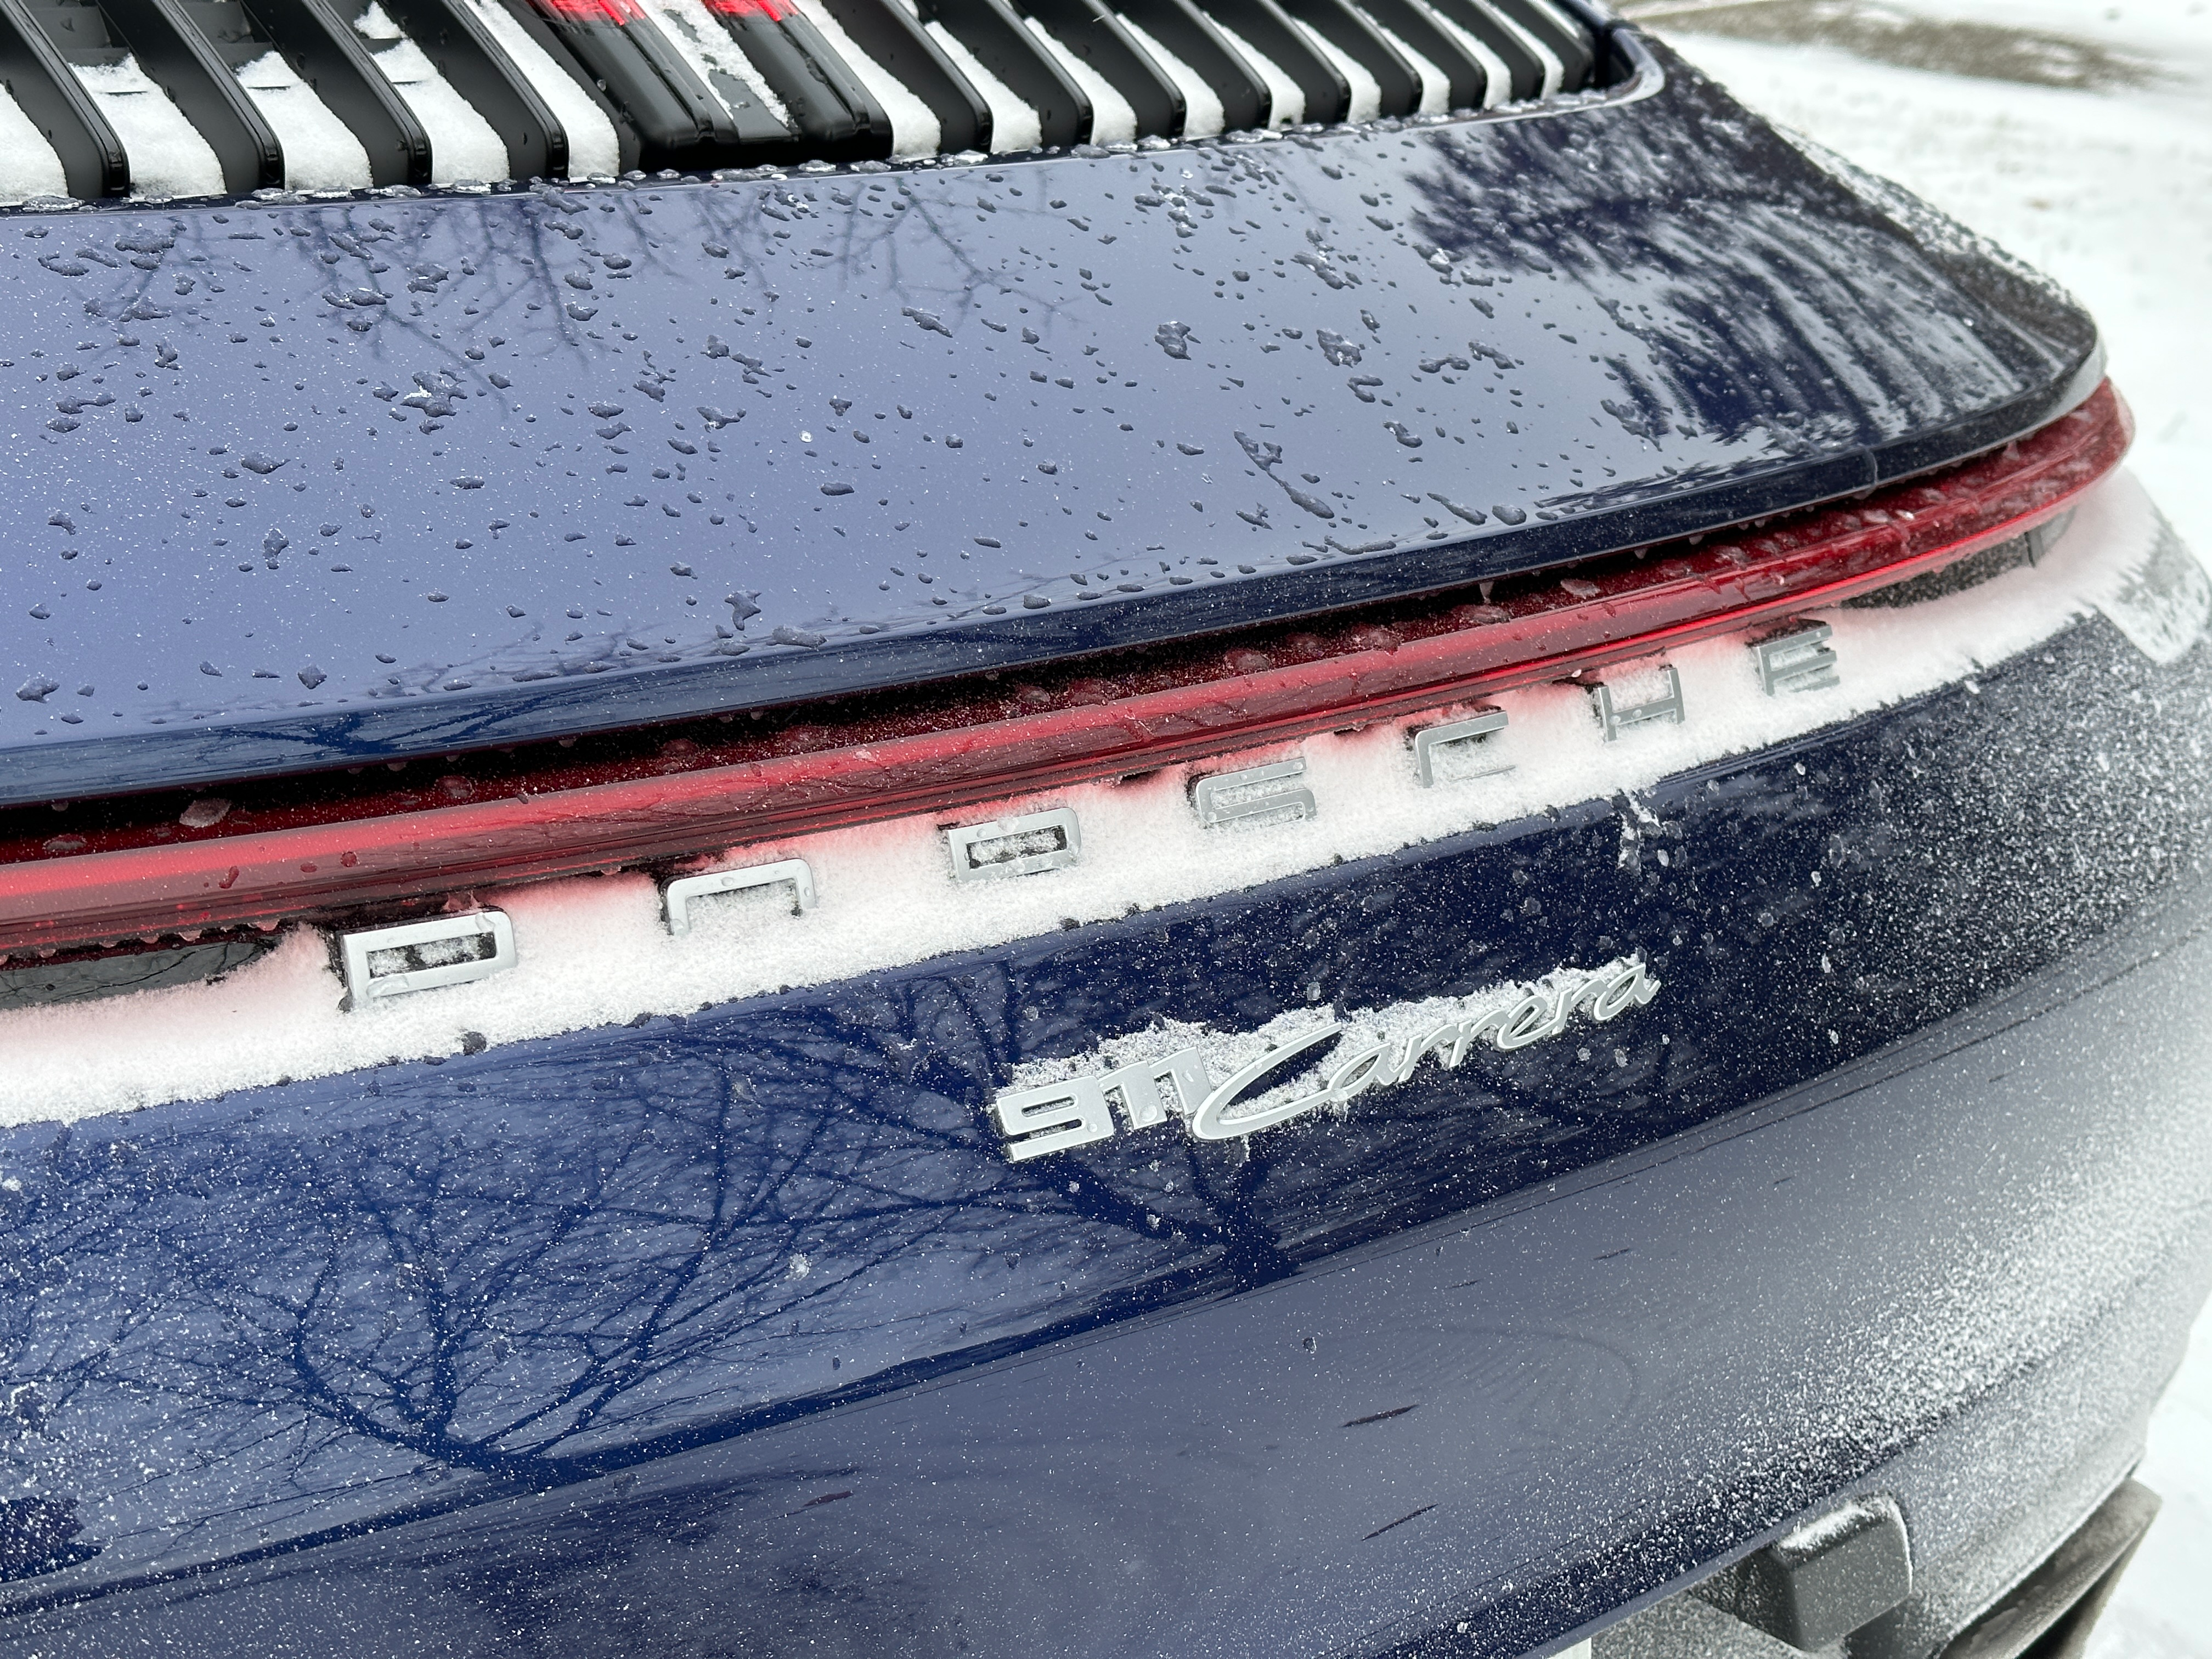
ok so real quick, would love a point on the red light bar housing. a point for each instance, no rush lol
(340, 844)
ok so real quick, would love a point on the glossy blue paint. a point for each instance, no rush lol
(737, 1334)
(299, 484)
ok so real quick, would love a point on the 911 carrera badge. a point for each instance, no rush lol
(1286, 1069)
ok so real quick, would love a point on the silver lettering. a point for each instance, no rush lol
(1796, 662)
(1377, 1063)
(1617, 718)
(1262, 794)
(1431, 744)
(1052, 1117)
(1207, 1122)
(1026, 846)
(1144, 1102)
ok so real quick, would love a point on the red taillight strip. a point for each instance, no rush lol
(851, 776)
(611, 14)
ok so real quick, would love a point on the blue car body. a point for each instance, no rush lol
(736, 1330)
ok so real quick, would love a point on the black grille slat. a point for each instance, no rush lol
(57, 104)
(1467, 77)
(54, 100)
(185, 64)
(1004, 46)
(738, 82)
(1094, 34)
(680, 122)
(531, 22)
(336, 65)
(889, 34)
(738, 126)
(1358, 38)
(80, 32)
(476, 66)
(836, 116)
(1269, 29)
(1524, 69)
(233, 34)
(1193, 36)
(666, 116)
(1567, 43)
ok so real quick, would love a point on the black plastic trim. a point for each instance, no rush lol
(47, 91)
(455, 39)
(1358, 39)
(1567, 43)
(887, 33)
(185, 64)
(1468, 79)
(334, 60)
(1003, 45)
(834, 117)
(1094, 34)
(532, 23)
(1191, 35)
(1524, 69)
(678, 121)
(1269, 29)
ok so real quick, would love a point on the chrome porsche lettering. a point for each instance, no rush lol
(1260, 795)
(1300, 1074)
(1801, 660)
(1617, 717)
(1431, 743)
(1210, 1121)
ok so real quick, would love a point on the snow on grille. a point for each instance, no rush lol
(175, 98)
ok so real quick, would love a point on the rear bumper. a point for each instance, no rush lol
(738, 1334)
(1959, 1272)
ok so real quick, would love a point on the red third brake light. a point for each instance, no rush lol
(613, 14)
(774, 11)
(941, 747)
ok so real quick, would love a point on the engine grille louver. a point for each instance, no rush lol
(209, 97)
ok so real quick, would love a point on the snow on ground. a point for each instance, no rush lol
(2080, 137)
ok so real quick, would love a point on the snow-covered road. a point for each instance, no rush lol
(2080, 137)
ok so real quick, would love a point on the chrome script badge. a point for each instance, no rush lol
(1170, 1070)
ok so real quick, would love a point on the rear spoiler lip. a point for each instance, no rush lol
(146, 887)
(556, 707)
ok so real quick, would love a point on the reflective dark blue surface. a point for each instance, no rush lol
(297, 484)
(736, 1333)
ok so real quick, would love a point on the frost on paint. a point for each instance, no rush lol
(1929, 226)
(320, 151)
(592, 146)
(169, 157)
(464, 148)
(28, 166)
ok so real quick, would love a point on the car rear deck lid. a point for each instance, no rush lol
(305, 484)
